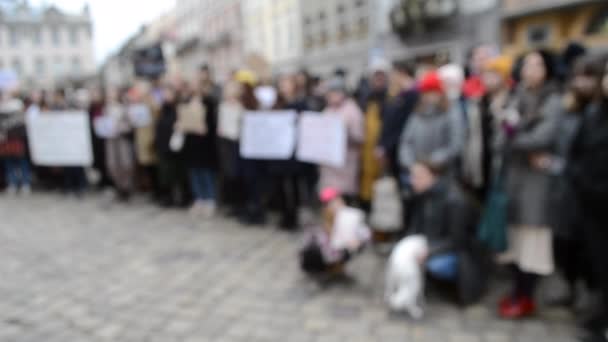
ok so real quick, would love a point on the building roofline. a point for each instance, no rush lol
(533, 9)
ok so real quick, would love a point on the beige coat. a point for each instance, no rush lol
(144, 137)
(346, 178)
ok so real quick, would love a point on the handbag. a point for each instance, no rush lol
(177, 141)
(387, 208)
(492, 230)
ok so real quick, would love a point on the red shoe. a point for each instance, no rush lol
(505, 301)
(516, 309)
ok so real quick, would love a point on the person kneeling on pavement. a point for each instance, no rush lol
(447, 218)
(342, 234)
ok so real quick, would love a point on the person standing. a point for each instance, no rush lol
(530, 127)
(144, 112)
(12, 145)
(435, 131)
(483, 125)
(96, 108)
(290, 173)
(396, 114)
(588, 174)
(120, 159)
(171, 169)
(346, 178)
(230, 115)
(197, 120)
(568, 240)
(373, 105)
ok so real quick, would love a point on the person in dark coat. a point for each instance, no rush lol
(448, 220)
(396, 113)
(289, 174)
(530, 126)
(171, 169)
(567, 238)
(588, 173)
(197, 119)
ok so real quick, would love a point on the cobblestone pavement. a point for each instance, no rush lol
(74, 271)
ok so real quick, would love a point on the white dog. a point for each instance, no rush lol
(405, 276)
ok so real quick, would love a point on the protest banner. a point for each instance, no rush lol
(268, 135)
(321, 139)
(60, 138)
(139, 115)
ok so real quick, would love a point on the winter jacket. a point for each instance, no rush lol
(528, 188)
(346, 178)
(435, 137)
(201, 150)
(588, 166)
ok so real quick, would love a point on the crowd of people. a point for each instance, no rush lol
(503, 155)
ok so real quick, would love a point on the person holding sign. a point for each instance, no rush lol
(197, 120)
(290, 173)
(345, 177)
(120, 159)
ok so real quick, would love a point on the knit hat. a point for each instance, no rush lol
(430, 82)
(501, 65)
(246, 77)
(329, 194)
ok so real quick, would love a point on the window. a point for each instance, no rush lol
(74, 36)
(476, 6)
(16, 66)
(76, 65)
(307, 21)
(343, 33)
(58, 66)
(14, 36)
(322, 16)
(340, 9)
(56, 36)
(362, 27)
(37, 36)
(539, 34)
(360, 3)
(323, 38)
(39, 66)
(599, 24)
(309, 42)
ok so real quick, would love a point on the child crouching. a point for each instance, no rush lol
(341, 235)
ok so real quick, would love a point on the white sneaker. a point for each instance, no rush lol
(11, 190)
(26, 190)
(197, 208)
(209, 209)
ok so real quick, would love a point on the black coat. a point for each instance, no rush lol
(588, 167)
(394, 117)
(448, 219)
(164, 129)
(200, 151)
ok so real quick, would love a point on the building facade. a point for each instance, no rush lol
(45, 46)
(553, 24)
(443, 30)
(273, 30)
(190, 50)
(222, 37)
(337, 34)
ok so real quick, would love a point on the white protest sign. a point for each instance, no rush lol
(60, 138)
(139, 115)
(268, 135)
(322, 139)
(105, 126)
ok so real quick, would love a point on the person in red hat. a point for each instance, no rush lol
(435, 132)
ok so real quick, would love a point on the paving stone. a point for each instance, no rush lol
(135, 273)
